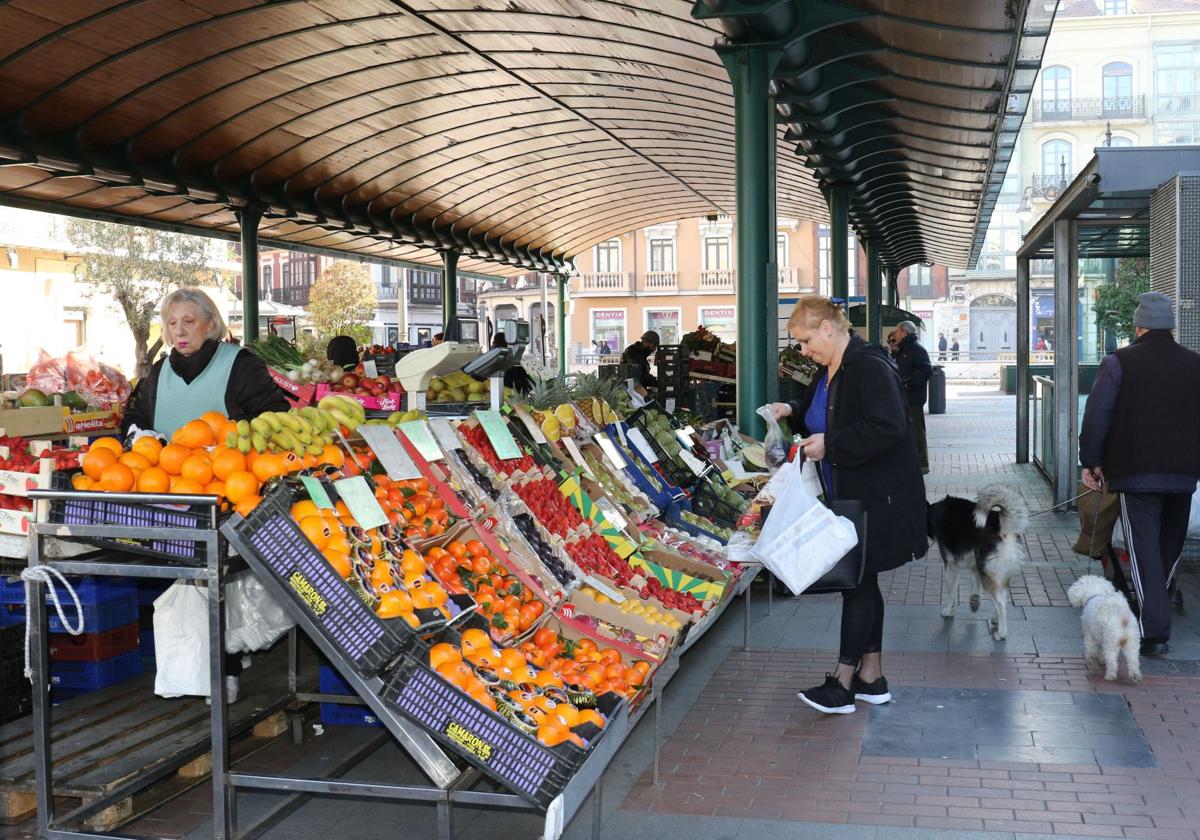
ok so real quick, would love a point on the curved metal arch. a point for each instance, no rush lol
(580, 239)
(884, 116)
(633, 214)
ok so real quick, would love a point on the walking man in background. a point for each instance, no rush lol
(942, 347)
(912, 360)
(1139, 437)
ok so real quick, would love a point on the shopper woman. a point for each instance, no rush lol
(855, 422)
(201, 373)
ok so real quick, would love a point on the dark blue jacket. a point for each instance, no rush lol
(915, 369)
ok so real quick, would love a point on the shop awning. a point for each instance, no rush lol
(517, 133)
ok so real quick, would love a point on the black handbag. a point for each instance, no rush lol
(848, 573)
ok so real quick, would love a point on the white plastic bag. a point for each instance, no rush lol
(181, 641)
(801, 539)
(254, 620)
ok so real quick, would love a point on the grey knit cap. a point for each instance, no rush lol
(1154, 312)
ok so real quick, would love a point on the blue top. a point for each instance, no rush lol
(179, 401)
(814, 421)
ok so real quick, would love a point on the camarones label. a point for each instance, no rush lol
(308, 592)
(468, 741)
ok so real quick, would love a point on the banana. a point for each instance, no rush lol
(260, 426)
(259, 441)
(231, 440)
(306, 425)
(244, 444)
(290, 421)
(243, 428)
(314, 449)
(315, 418)
(350, 423)
(272, 420)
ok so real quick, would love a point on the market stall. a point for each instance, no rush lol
(507, 591)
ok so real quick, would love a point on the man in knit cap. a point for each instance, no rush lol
(1141, 437)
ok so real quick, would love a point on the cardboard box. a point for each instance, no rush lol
(15, 521)
(614, 536)
(31, 422)
(91, 422)
(393, 401)
(579, 603)
(708, 583)
(14, 483)
(299, 394)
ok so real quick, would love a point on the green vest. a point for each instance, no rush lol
(177, 401)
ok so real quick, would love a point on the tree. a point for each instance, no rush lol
(1116, 301)
(137, 267)
(342, 302)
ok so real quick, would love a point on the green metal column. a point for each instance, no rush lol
(750, 69)
(874, 291)
(449, 287)
(839, 241)
(248, 218)
(770, 335)
(893, 288)
(561, 327)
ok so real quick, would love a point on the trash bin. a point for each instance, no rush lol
(937, 390)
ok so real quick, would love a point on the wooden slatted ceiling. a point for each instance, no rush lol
(547, 125)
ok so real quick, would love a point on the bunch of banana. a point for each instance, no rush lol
(347, 412)
(304, 431)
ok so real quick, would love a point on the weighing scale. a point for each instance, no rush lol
(493, 364)
(416, 370)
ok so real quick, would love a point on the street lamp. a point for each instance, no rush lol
(1047, 191)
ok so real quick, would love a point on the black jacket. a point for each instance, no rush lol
(872, 454)
(912, 361)
(638, 354)
(250, 392)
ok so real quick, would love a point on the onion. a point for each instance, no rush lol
(293, 375)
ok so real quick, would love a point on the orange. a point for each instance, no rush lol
(338, 541)
(391, 605)
(291, 462)
(474, 639)
(216, 488)
(81, 482)
(443, 652)
(247, 504)
(241, 485)
(116, 478)
(317, 530)
(97, 461)
(172, 456)
(591, 716)
(148, 447)
(215, 421)
(304, 508)
(455, 673)
(110, 443)
(512, 659)
(226, 462)
(194, 434)
(188, 486)
(340, 560)
(268, 465)
(475, 548)
(153, 480)
(411, 563)
(457, 550)
(197, 468)
(135, 461)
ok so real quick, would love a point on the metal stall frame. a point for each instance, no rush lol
(451, 785)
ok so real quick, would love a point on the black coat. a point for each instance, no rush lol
(915, 369)
(872, 455)
(639, 354)
(250, 391)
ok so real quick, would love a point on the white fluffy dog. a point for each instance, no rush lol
(1108, 626)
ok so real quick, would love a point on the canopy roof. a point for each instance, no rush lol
(520, 133)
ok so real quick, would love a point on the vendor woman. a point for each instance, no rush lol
(202, 373)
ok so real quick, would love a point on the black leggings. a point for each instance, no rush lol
(862, 621)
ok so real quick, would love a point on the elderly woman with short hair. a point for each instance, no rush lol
(856, 427)
(202, 372)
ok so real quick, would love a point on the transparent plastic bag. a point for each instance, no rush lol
(775, 444)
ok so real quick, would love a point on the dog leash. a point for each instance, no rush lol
(1067, 502)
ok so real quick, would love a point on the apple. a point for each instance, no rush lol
(359, 369)
(349, 381)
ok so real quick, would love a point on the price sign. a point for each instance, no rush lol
(316, 492)
(577, 457)
(612, 514)
(396, 462)
(610, 451)
(364, 507)
(419, 435)
(369, 368)
(535, 431)
(498, 434)
(603, 588)
(445, 434)
(694, 463)
(642, 445)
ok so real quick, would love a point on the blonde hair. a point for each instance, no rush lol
(193, 295)
(811, 310)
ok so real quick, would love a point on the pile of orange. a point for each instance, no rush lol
(410, 504)
(510, 607)
(190, 463)
(584, 664)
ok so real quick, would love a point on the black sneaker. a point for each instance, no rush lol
(831, 698)
(1155, 647)
(874, 693)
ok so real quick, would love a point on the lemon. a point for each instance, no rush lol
(551, 428)
(566, 415)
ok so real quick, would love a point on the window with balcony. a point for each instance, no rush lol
(265, 276)
(1056, 163)
(1117, 80)
(608, 257)
(781, 250)
(1177, 132)
(1056, 93)
(716, 253)
(424, 287)
(920, 281)
(662, 254)
(1177, 79)
(852, 263)
(1116, 7)
(823, 255)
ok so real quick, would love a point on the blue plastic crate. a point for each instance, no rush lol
(90, 589)
(336, 714)
(148, 590)
(146, 639)
(94, 675)
(97, 618)
(331, 682)
(58, 696)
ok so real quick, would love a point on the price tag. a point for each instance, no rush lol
(684, 438)
(621, 434)
(364, 507)
(419, 435)
(642, 445)
(670, 405)
(612, 513)
(316, 492)
(396, 462)
(603, 588)
(498, 434)
(610, 451)
(369, 368)
(694, 463)
(535, 431)
(445, 434)
(577, 457)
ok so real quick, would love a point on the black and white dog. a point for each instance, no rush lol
(983, 537)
